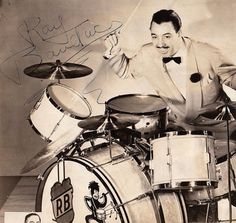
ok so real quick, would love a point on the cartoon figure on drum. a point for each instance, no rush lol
(187, 74)
(94, 205)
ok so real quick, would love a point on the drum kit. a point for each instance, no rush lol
(124, 165)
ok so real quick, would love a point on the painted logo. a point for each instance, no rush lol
(62, 201)
(95, 204)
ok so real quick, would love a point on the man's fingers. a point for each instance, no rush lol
(108, 43)
(111, 43)
(114, 39)
(111, 40)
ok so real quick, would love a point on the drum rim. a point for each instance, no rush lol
(185, 185)
(136, 113)
(184, 132)
(63, 110)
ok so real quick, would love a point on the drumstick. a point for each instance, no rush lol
(107, 54)
(130, 17)
(134, 11)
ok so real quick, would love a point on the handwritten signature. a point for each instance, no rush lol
(52, 41)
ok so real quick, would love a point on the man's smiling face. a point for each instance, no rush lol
(165, 38)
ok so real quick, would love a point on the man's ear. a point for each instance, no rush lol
(179, 33)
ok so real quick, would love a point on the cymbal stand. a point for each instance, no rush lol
(110, 143)
(58, 72)
(227, 115)
(106, 128)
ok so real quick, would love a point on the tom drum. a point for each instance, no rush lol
(59, 109)
(183, 160)
(151, 109)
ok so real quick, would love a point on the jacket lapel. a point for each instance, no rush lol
(168, 90)
(194, 90)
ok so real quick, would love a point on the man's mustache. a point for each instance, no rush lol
(162, 47)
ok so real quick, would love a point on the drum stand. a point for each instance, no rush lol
(107, 127)
(226, 114)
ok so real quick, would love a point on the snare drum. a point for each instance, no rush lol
(94, 188)
(183, 160)
(59, 109)
(151, 109)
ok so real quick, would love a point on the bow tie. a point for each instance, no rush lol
(168, 59)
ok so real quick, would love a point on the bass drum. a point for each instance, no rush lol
(98, 190)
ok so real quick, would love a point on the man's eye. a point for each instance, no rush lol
(167, 37)
(154, 37)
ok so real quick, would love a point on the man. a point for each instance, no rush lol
(32, 218)
(187, 74)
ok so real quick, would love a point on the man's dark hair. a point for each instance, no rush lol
(165, 15)
(31, 214)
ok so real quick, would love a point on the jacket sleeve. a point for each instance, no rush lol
(126, 67)
(224, 68)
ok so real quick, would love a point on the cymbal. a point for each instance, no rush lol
(204, 121)
(221, 147)
(220, 110)
(109, 122)
(57, 70)
(51, 150)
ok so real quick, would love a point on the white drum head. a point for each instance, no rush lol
(69, 100)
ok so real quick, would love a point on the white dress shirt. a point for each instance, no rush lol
(178, 72)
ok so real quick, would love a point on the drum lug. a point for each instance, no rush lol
(218, 173)
(209, 183)
(40, 177)
(207, 157)
(169, 159)
(37, 105)
(151, 164)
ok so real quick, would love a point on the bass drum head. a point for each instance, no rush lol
(120, 187)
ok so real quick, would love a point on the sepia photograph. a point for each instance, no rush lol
(117, 111)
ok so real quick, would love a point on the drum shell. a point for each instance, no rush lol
(183, 161)
(120, 187)
(150, 126)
